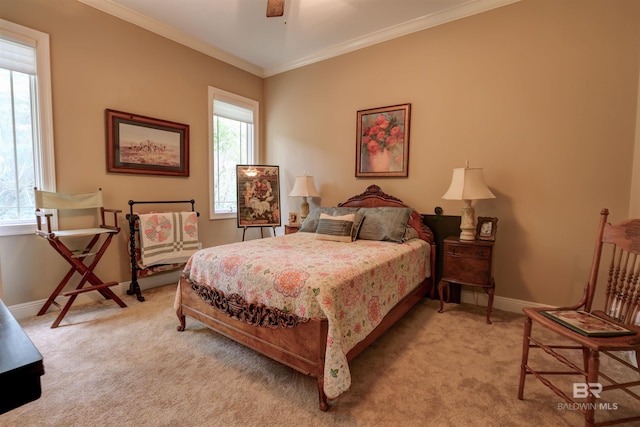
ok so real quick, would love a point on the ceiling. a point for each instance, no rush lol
(239, 33)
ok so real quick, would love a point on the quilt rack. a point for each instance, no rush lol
(134, 287)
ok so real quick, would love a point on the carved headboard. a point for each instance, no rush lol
(373, 197)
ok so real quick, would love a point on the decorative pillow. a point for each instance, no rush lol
(335, 228)
(357, 223)
(310, 223)
(410, 233)
(384, 223)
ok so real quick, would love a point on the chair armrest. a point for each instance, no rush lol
(115, 213)
(47, 218)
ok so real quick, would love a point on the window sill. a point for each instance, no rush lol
(217, 216)
(17, 229)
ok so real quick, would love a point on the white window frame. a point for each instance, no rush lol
(251, 104)
(44, 166)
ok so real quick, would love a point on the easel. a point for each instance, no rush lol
(244, 230)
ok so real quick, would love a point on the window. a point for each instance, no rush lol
(234, 141)
(26, 130)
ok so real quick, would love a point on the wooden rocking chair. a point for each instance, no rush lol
(59, 201)
(621, 308)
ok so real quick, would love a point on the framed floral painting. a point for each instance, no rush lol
(258, 196)
(382, 145)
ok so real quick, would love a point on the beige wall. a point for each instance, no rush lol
(542, 94)
(99, 62)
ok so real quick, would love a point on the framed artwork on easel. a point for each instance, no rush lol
(258, 196)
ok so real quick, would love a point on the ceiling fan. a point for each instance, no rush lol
(275, 8)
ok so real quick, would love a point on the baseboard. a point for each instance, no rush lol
(480, 298)
(30, 309)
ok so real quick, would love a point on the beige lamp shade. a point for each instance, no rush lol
(468, 184)
(304, 187)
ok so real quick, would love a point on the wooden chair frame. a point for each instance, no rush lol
(76, 258)
(622, 307)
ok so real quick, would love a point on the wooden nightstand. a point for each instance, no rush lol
(290, 229)
(467, 263)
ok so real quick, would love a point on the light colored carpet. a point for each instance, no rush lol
(107, 366)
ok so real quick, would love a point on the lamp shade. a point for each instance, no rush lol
(468, 184)
(304, 187)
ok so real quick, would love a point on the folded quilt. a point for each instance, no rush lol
(169, 237)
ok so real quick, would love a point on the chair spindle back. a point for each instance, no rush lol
(623, 290)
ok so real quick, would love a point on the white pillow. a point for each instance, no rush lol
(335, 228)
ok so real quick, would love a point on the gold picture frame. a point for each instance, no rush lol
(294, 218)
(382, 144)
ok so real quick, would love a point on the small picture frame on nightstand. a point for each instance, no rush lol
(486, 228)
(294, 218)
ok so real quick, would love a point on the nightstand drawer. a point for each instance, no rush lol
(467, 270)
(467, 250)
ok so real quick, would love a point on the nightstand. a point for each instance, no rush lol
(290, 229)
(467, 263)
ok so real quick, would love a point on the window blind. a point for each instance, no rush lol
(17, 57)
(232, 111)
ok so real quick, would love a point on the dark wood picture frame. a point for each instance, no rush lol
(382, 142)
(486, 228)
(144, 145)
(258, 202)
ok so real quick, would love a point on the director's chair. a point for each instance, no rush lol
(104, 233)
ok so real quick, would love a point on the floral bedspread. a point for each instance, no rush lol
(353, 285)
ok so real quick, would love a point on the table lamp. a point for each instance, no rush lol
(468, 184)
(304, 187)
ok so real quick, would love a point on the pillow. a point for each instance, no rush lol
(310, 223)
(384, 223)
(357, 223)
(410, 233)
(335, 228)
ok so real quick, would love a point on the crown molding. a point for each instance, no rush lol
(469, 8)
(472, 7)
(133, 17)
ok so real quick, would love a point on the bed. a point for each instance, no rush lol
(310, 300)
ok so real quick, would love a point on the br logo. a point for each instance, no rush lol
(582, 390)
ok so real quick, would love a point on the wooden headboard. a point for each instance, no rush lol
(373, 197)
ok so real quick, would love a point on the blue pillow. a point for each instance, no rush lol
(384, 223)
(310, 223)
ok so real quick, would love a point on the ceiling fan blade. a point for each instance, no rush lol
(275, 8)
